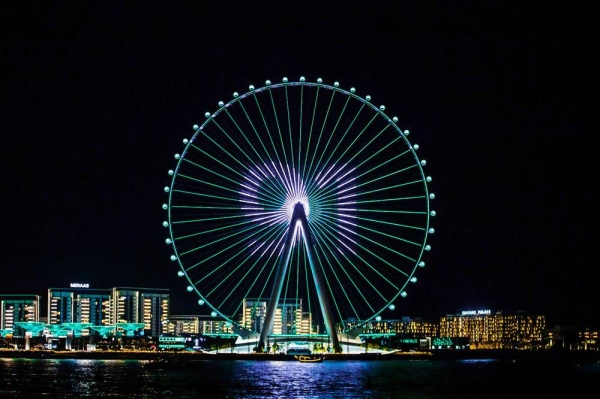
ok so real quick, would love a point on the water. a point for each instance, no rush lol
(51, 378)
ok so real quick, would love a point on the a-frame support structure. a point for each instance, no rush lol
(299, 220)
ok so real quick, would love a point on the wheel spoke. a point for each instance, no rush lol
(362, 187)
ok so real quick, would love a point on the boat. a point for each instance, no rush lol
(310, 358)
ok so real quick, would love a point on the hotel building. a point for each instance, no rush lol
(500, 330)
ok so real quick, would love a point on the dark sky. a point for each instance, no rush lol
(501, 97)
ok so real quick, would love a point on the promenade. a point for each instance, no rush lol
(562, 356)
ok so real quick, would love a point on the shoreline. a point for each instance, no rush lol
(554, 356)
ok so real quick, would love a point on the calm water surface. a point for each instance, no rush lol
(39, 378)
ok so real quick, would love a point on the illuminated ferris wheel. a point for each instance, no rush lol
(299, 191)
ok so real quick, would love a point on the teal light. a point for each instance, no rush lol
(32, 327)
(441, 342)
(76, 328)
(104, 331)
(130, 328)
(359, 179)
(4, 332)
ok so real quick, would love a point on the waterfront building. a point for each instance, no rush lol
(406, 326)
(79, 304)
(116, 306)
(306, 324)
(182, 325)
(499, 330)
(588, 339)
(197, 325)
(572, 338)
(253, 313)
(18, 309)
(405, 333)
(289, 317)
(149, 306)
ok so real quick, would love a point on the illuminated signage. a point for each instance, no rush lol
(80, 285)
(475, 312)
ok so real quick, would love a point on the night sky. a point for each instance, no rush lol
(501, 97)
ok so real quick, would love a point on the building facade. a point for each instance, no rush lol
(149, 306)
(253, 313)
(499, 330)
(79, 305)
(407, 326)
(289, 317)
(18, 309)
(113, 308)
(197, 324)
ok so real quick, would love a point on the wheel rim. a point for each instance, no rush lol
(354, 170)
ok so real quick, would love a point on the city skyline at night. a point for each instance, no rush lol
(86, 289)
(499, 98)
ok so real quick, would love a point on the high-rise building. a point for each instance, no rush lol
(18, 308)
(141, 305)
(253, 313)
(306, 324)
(155, 311)
(289, 317)
(79, 305)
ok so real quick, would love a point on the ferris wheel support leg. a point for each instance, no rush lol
(319, 282)
(282, 266)
(298, 217)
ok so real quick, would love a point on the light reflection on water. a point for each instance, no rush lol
(271, 379)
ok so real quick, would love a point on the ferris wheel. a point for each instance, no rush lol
(293, 160)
